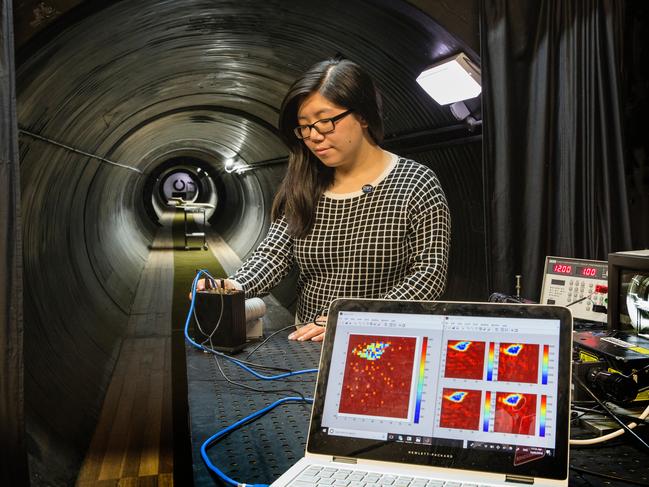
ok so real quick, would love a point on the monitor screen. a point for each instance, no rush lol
(628, 292)
(441, 379)
(634, 300)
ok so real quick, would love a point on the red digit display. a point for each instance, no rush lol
(589, 271)
(562, 269)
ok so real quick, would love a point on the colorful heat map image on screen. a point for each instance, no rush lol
(464, 359)
(460, 409)
(518, 362)
(378, 376)
(515, 413)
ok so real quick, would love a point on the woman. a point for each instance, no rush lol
(357, 220)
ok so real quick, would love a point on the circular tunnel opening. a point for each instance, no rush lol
(182, 179)
(180, 184)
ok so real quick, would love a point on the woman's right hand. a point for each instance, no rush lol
(312, 331)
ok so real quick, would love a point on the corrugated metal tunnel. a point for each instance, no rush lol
(154, 87)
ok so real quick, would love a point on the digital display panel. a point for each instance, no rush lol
(423, 378)
(588, 271)
(565, 269)
(577, 269)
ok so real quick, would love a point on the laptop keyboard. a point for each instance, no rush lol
(314, 476)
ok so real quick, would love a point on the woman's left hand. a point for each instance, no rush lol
(313, 331)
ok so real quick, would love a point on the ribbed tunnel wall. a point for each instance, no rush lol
(142, 82)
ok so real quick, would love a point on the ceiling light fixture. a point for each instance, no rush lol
(451, 80)
(229, 165)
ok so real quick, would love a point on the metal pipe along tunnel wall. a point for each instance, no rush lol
(148, 82)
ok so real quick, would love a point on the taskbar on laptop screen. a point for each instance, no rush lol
(429, 440)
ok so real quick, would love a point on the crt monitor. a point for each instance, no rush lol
(628, 291)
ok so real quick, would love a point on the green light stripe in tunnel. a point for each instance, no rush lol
(186, 263)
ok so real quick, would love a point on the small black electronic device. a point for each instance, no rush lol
(221, 318)
(507, 298)
(623, 351)
(629, 291)
(614, 364)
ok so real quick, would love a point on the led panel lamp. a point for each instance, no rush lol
(452, 80)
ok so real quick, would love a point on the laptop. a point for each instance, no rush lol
(426, 394)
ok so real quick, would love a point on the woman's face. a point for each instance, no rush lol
(340, 147)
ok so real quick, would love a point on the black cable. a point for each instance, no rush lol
(77, 151)
(210, 283)
(607, 476)
(628, 417)
(575, 407)
(611, 413)
(583, 402)
(579, 300)
(246, 386)
(318, 313)
(250, 364)
(577, 417)
(198, 324)
(216, 352)
(269, 337)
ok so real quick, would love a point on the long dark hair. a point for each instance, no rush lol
(344, 83)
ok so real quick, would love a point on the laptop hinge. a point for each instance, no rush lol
(345, 460)
(519, 479)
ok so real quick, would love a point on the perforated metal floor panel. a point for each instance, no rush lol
(262, 450)
(617, 458)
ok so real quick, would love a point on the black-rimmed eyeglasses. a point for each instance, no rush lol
(322, 126)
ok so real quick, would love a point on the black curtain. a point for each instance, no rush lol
(13, 459)
(553, 143)
(636, 97)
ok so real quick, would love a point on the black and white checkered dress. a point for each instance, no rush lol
(391, 243)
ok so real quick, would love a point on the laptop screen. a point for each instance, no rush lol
(463, 385)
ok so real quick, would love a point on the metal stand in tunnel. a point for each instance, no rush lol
(194, 208)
